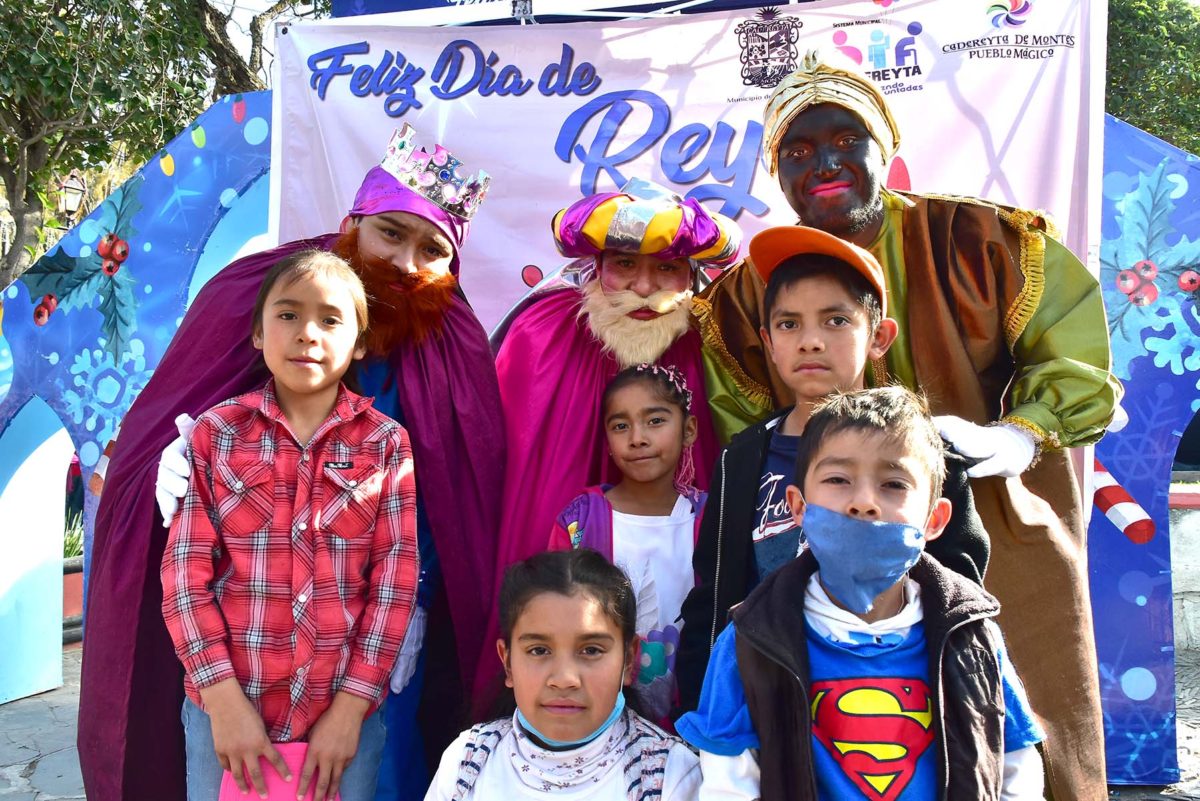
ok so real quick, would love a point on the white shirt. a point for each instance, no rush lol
(656, 553)
(507, 775)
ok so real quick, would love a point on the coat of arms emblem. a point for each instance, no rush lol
(768, 47)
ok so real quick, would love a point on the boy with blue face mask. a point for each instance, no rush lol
(890, 679)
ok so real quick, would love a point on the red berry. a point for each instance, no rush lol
(105, 246)
(1146, 294)
(1189, 281)
(50, 302)
(1127, 281)
(110, 266)
(41, 315)
(1147, 269)
(120, 251)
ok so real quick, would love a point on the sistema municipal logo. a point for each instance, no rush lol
(1011, 13)
(768, 47)
(885, 60)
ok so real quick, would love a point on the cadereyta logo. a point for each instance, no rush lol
(1011, 13)
(886, 62)
(768, 47)
(875, 729)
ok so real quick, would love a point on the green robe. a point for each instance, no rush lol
(997, 320)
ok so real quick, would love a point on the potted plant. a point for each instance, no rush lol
(73, 578)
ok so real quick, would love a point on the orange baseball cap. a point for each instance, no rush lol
(774, 246)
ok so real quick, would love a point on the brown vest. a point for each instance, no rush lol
(772, 658)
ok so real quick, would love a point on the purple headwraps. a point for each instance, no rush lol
(381, 192)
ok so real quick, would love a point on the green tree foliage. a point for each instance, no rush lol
(1154, 68)
(77, 74)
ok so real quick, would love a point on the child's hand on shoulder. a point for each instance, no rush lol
(332, 743)
(239, 736)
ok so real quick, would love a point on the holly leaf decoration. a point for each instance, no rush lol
(1145, 218)
(73, 281)
(78, 281)
(118, 304)
(119, 208)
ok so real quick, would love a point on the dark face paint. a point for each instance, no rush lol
(831, 171)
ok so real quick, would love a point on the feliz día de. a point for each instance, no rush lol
(461, 68)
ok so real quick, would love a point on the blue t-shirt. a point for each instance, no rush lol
(872, 718)
(776, 538)
(377, 379)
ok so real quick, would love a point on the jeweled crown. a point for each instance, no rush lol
(434, 175)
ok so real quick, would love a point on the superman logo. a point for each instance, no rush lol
(875, 729)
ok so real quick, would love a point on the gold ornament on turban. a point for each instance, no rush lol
(814, 83)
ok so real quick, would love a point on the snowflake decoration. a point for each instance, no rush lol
(104, 390)
(1176, 352)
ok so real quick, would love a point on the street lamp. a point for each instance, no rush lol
(70, 195)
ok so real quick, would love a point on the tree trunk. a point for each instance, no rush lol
(27, 213)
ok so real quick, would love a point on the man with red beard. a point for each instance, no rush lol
(429, 366)
(625, 301)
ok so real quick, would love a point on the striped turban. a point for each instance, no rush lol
(650, 220)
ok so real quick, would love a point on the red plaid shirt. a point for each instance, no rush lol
(293, 569)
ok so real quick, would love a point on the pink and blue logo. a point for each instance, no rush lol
(1011, 13)
(885, 59)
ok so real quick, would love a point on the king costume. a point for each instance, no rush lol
(442, 388)
(553, 367)
(998, 322)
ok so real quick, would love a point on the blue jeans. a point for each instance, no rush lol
(402, 773)
(204, 770)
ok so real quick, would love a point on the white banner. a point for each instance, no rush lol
(1001, 100)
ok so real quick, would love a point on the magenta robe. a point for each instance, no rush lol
(552, 374)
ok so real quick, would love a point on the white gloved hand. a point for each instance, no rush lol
(1120, 419)
(174, 471)
(410, 649)
(1003, 450)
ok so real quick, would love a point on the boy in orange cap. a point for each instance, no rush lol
(825, 309)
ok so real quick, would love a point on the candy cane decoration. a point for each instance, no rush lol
(1120, 508)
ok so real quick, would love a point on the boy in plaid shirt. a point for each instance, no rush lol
(290, 574)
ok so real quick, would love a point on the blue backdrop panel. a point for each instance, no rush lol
(1150, 254)
(121, 279)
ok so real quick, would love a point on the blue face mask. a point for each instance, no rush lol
(860, 559)
(560, 745)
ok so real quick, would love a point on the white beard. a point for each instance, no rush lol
(629, 340)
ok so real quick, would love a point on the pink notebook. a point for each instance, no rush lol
(277, 788)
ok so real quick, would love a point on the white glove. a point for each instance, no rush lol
(174, 471)
(1003, 450)
(410, 649)
(1120, 419)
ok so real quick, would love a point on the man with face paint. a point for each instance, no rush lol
(429, 366)
(624, 301)
(1002, 327)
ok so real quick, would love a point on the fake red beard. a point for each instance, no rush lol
(404, 307)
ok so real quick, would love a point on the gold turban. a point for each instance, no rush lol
(816, 82)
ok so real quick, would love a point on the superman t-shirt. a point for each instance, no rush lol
(874, 736)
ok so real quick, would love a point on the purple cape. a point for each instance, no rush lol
(130, 737)
(552, 374)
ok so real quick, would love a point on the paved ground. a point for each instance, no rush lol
(38, 761)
